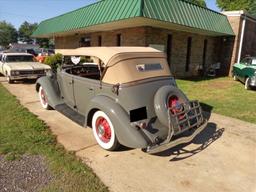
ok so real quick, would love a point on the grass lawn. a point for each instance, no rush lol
(224, 95)
(21, 132)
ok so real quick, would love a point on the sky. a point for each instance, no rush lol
(35, 11)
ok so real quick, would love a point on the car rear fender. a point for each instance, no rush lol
(51, 89)
(126, 134)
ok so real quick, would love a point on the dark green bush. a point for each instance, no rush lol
(54, 61)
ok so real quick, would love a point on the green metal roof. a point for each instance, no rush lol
(179, 12)
(187, 14)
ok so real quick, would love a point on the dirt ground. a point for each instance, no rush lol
(222, 158)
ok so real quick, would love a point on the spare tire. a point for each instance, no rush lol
(161, 101)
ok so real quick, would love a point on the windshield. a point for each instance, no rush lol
(19, 58)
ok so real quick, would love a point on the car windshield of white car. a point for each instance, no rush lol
(19, 58)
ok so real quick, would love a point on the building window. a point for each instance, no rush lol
(99, 41)
(85, 42)
(205, 53)
(169, 49)
(189, 45)
(118, 40)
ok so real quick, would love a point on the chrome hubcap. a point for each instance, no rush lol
(43, 97)
(101, 131)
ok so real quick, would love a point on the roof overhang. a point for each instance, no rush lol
(130, 23)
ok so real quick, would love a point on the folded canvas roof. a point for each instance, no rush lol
(122, 62)
(105, 54)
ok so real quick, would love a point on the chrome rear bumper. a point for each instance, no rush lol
(164, 146)
(190, 118)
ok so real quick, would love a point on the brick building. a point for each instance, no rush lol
(193, 37)
(244, 27)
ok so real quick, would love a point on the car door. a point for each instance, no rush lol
(67, 89)
(84, 91)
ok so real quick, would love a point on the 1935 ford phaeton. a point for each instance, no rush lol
(128, 97)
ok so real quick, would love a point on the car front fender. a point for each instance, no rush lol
(51, 89)
(6, 69)
(126, 134)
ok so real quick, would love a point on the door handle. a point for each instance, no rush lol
(91, 89)
(71, 82)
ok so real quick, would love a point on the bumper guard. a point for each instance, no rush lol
(189, 118)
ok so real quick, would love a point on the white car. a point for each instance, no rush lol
(19, 66)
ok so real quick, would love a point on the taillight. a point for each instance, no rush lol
(175, 106)
(173, 101)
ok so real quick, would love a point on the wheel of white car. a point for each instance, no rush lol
(235, 78)
(43, 98)
(104, 132)
(9, 80)
(247, 84)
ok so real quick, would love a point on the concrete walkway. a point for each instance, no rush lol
(222, 158)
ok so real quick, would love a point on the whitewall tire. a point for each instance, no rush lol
(104, 132)
(235, 78)
(9, 80)
(247, 84)
(43, 98)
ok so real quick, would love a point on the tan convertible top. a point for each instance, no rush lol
(105, 54)
(122, 62)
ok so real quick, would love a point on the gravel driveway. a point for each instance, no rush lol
(28, 174)
(222, 158)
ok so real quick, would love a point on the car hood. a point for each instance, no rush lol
(27, 66)
(253, 66)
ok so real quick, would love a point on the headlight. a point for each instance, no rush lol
(254, 76)
(47, 70)
(15, 72)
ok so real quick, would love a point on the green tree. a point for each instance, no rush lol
(232, 5)
(8, 34)
(44, 43)
(198, 2)
(25, 31)
(252, 9)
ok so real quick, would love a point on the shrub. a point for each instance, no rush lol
(54, 61)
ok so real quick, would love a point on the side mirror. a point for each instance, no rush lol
(50, 73)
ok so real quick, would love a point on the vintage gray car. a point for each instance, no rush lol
(129, 97)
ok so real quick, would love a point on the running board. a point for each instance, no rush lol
(71, 114)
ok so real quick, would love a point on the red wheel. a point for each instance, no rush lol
(103, 131)
(43, 98)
